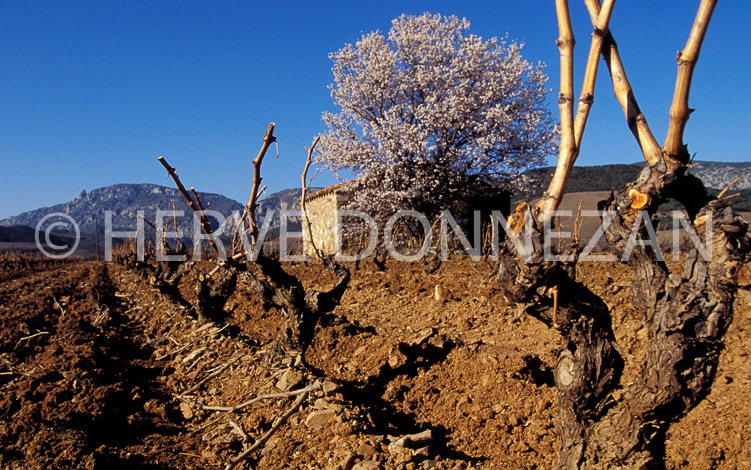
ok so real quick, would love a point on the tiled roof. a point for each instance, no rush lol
(323, 192)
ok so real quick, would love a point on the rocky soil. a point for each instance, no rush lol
(98, 370)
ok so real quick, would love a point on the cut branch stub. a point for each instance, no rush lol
(639, 200)
(517, 218)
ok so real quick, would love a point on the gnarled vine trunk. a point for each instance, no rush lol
(601, 423)
(302, 308)
(686, 314)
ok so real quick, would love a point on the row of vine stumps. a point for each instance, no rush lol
(103, 369)
(271, 385)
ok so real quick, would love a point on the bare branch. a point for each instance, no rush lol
(62, 310)
(305, 186)
(727, 188)
(250, 209)
(625, 94)
(205, 224)
(191, 342)
(198, 199)
(211, 375)
(171, 170)
(567, 153)
(572, 131)
(679, 110)
(566, 44)
(26, 338)
(233, 409)
(590, 74)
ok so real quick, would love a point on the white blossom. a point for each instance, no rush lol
(430, 114)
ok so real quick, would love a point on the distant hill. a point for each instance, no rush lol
(285, 200)
(715, 175)
(532, 184)
(24, 234)
(718, 175)
(124, 201)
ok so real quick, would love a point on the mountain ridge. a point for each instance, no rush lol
(125, 200)
(715, 175)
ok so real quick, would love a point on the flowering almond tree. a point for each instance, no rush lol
(430, 114)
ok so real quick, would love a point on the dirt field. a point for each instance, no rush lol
(99, 371)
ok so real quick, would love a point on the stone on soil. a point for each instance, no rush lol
(289, 380)
(317, 419)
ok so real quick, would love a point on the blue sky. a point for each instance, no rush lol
(91, 93)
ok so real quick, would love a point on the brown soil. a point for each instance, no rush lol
(101, 371)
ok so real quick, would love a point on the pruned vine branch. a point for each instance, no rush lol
(679, 110)
(601, 31)
(250, 210)
(637, 123)
(233, 409)
(305, 186)
(194, 206)
(572, 128)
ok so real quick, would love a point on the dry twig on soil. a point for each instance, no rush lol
(191, 342)
(211, 376)
(232, 409)
(277, 424)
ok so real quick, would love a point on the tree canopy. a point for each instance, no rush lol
(430, 114)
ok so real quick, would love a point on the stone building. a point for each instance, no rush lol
(323, 207)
